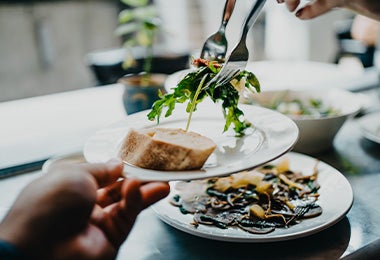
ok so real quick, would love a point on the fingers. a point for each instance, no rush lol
(292, 4)
(315, 9)
(117, 219)
(153, 192)
(122, 215)
(105, 174)
(137, 196)
(312, 9)
(110, 194)
(150, 193)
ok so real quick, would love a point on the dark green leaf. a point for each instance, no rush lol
(226, 93)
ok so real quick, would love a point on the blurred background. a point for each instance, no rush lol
(55, 46)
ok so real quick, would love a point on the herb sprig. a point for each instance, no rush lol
(191, 88)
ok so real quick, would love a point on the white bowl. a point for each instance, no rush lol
(316, 134)
(300, 75)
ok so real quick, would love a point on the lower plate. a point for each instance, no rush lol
(336, 198)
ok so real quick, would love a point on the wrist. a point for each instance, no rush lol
(14, 237)
(9, 251)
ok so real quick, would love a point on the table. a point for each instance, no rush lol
(53, 124)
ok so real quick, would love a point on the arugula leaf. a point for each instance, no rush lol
(186, 90)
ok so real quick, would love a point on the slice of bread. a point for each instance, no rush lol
(166, 149)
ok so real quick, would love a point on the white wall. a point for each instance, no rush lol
(278, 34)
(211, 14)
(43, 45)
(174, 15)
(288, 38)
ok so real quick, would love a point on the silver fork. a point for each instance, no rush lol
(237, 61)
(215, 47)
(299, 211)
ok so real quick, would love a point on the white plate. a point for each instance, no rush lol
(273, 135)
(370, 127)
(336, 199)
(70, 157)
(3, 212)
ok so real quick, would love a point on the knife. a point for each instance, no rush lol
(22, 168)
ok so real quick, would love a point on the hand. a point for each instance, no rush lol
(370, 8)
(81, 211)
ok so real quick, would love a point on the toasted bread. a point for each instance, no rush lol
(166, 149)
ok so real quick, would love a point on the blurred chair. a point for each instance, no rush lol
(357, 38)
(106, 65)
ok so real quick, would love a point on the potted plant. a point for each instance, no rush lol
(138, 27)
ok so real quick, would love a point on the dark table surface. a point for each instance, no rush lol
(355, 157)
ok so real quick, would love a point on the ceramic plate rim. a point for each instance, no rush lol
(310, 71)
(69, 157)
(163, 209)
(153, 175)
(366, 132)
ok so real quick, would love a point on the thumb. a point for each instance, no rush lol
(316, 8)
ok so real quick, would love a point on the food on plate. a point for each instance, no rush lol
(310, 107)
(257, 201)
(195, 87)
(166, 149)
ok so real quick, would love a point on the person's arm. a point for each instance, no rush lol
(369, 8)
(365, 30)
(77, 212)
(9, 252)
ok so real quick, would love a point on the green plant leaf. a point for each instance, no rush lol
(146, 12)
(253, 81)
(187, 90)
(125, 29)
(126, 16)
(152, 24)
(141, 24)
(135, 3)
(143, 38)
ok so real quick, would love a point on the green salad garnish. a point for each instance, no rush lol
(194, 88)
(312, 107)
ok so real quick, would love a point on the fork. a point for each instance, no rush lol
(215, 47)
(299, 211)
(238, 59)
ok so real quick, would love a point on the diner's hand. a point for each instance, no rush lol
(370, 8)
(78, 212)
